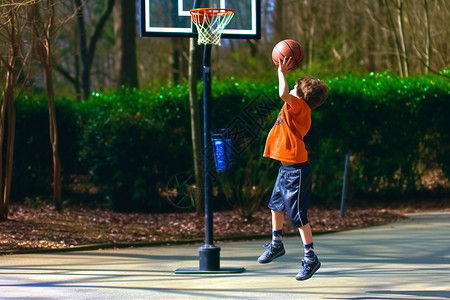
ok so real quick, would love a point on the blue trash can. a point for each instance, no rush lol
(222, 150)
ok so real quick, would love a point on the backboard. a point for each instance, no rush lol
(171, 18)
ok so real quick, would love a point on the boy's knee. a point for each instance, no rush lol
(304, 225)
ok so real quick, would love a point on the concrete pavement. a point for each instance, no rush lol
(404, 260)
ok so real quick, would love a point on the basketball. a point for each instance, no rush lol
(286, 49)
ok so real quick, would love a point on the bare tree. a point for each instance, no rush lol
(402, 38)
(278, 21)
(427, 36)
(12, 26)
(125, 43)
(397, 31)
(87, 47)
(337, 35)
(44, 27)
(196, 135)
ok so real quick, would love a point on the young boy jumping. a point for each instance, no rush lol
(292, 189)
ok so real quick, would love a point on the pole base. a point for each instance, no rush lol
(209, 256)
(209, 263)
(198, 271)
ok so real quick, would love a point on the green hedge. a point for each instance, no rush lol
(133, 141)
(129, 144)
(33, 169)
(396, 130)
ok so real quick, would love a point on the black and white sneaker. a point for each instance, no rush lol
(309, 267)
(273, 251)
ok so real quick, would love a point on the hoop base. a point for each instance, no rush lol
(209, 263)
(198, 271)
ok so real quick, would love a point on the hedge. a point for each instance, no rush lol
(127, 146)
(396, 130)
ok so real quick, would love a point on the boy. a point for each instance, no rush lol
(292, 189)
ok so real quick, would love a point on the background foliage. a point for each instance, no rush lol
(122, 149)
(127, 147)
(339, 36)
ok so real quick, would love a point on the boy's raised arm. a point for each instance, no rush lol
(283, 88)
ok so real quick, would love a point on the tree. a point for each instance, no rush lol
(196, 135)
(125, 43)
(278, 21)
(427, 37)
(399, 35)
(44, 27)
(12, 26)
(87, 48)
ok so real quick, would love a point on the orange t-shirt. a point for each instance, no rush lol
(285, 139)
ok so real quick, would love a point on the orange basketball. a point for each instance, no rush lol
(286, 49)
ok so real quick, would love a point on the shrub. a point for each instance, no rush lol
(394, 128)
(130, 143)
(33, 166)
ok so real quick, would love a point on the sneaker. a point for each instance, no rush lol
(308, 269)
(272, 252)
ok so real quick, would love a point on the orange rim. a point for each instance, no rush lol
(211, 12)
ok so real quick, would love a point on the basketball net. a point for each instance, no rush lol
(210, 23)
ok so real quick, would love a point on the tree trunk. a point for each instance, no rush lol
(8, 111)
(9, 153)
(311, 43)
(125, 42)
(87, 51)
(85, 82)
(397, 41)
(3, 208)
(176, 65)
(401, 32)
(195, 125)
(278, 21)
(427, 37)
(57, 181)
(44, 36)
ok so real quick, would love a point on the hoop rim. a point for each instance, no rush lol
(212, 12)
(210, 23)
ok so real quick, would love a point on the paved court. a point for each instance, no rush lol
(404, 260)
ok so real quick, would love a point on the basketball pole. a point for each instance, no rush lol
(206, 140)
(209, 254)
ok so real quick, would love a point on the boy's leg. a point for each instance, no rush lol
(275, 248)
(277, 227)
(277, 220)
(306, 234)
(310, 264)
(276, 204)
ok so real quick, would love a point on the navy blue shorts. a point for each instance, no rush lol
(292, 192)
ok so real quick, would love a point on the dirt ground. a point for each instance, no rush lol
(42, 228)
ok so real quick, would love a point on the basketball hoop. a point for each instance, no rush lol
(210, 23)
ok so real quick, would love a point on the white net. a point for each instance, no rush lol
(210, 23)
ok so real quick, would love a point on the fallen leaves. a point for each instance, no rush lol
(44, 228)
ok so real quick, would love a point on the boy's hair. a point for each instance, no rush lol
(314, 91)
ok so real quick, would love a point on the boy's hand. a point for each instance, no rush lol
(284, 66)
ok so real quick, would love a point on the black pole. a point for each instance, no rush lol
(345, 184)
(206, 142)
(209, 254)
